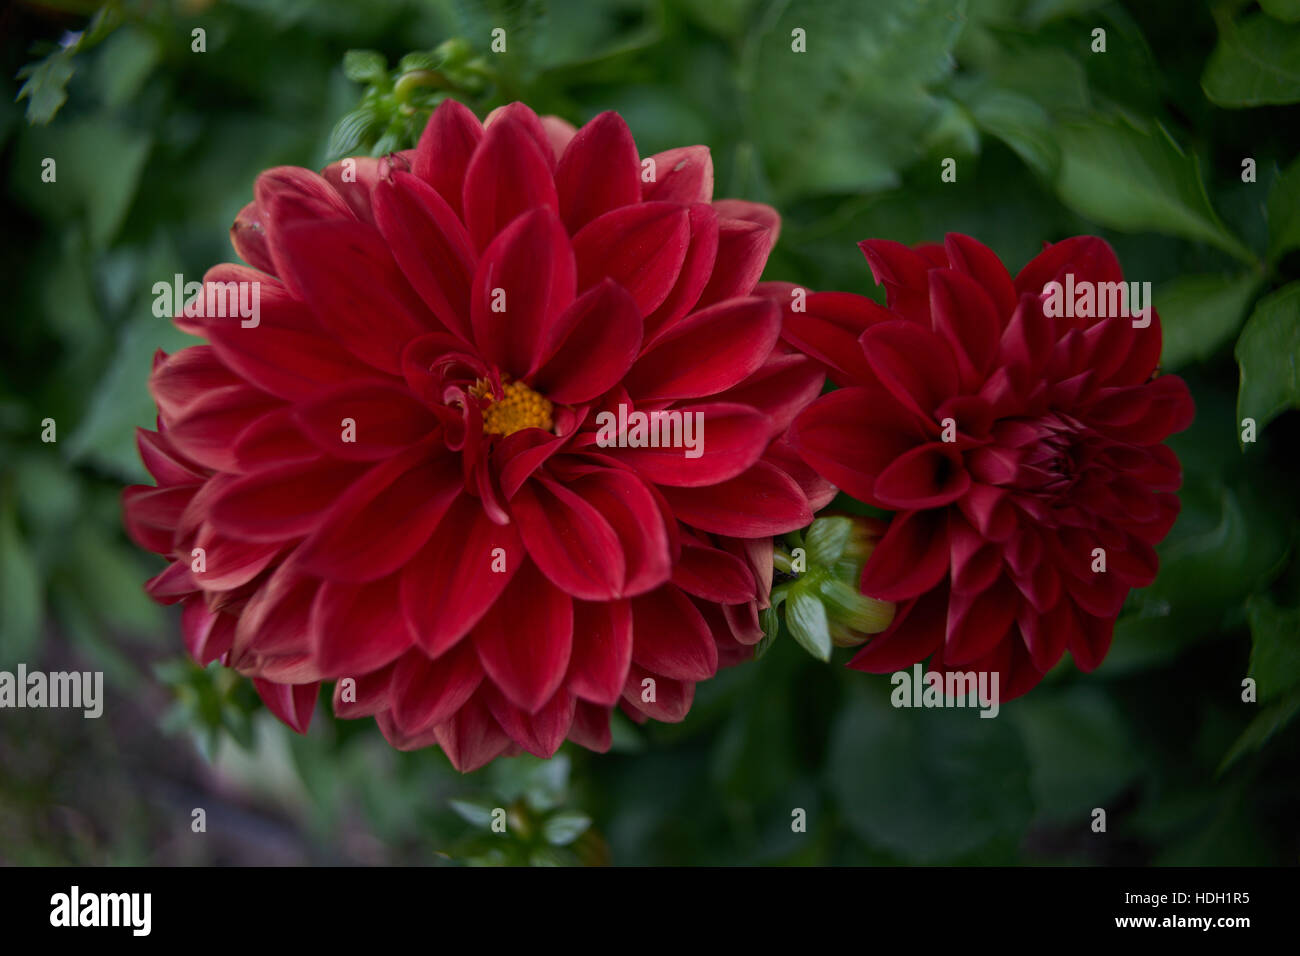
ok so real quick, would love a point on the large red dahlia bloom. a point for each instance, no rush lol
(396, 474)
(1021, 452)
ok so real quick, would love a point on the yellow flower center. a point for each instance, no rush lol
(520, 407)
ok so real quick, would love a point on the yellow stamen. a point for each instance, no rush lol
(520, 407)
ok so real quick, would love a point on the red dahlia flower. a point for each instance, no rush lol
(1021, 453)
(396, 475)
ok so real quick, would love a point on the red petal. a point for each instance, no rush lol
(727, 440)
(382, 421)
(540, 733)
(425, 691)
(379, 523)
(445, 149)
(598, 172)
(570, 540)
(443, 599)
(670, 699)
(684, 174)
(357, 628)
(697, 269)
(430, 245)
(910, 559)
(642, 247)
(472, 738)
(508, 175)
(913, 363)
(596, 341)
(743, 248)
(853, 434)
(602, 650)
(671, 638)
(528, 664)
(762, 501)
(983, 265)
(707, 352)
(292, 703)
(916, 632)
(968, 320)
(927, 476)
(248, 236)
(713, 575)
(346, 273)
(283, 501)
(524, 283)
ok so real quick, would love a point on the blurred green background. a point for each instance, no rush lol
(157, 147)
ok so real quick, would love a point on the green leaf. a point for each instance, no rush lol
(46, 89)
(931, 784)
(1286, 10)
(1020, 123)
(770, 620)
(120, 402)
(20, 594)
(1268, 353)
(1225, 542)
(1137, 180)
(561, 829)
(1200, 314)
(1080, 749)
(826, 538)
(848, 113)
(365, 66)
(126, 61)
(805, 615)
(1256, 63)
(1284, 212)
(1271, 719)
(1040, 12)
(1275, 650)
(476, 811)
(99, 162)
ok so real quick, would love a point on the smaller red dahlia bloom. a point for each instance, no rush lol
(1020, 449)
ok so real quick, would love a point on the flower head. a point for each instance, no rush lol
(1018, 443)
(397, 480)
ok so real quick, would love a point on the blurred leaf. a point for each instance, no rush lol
(20, 594)
(1225, 542)
(845, 115)
(476, 811)
(1256, 62)
(928, 785)
(110, 580)
(561, 829)
(805, 615)
(120, 402)
(1284, 212)
(46, 89)
(99, 163)
(1081, 750)
(48, 492)
(1133, 179)
(1268, 353)
(826, 538)
(520, 19)
(1275, 649)
(1287, 10)
(1200, 314)
(364, 66)
(126, 61)
(1020, 123)
(1038, 12)
(1272, 718)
